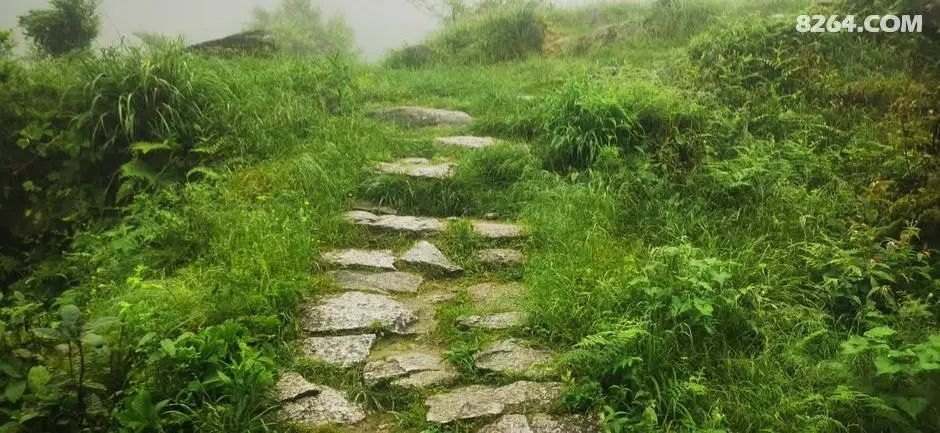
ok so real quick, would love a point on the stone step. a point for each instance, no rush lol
(373, 208)
(381, 282)
(498, 230)
(466, 141)
(395, 223)
(417, 117)
(356, 311)
(512, 357)
(381, 260)
(341, 351)
(429, 259)
(416, 368)
(418, 168)
(492, 322)
(500, 258)
(314, 406)
(478, 401)
(542, 423)
(424, 225)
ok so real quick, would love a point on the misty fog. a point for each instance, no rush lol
(378, 24)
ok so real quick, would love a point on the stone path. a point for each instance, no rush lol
(382, 319)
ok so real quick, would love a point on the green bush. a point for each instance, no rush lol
(68, 26)
(87, 136)
(410, 57)
(584, 117)
(494, 35)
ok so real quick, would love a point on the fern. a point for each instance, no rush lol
(607, 350)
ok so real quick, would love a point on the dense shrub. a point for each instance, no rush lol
(494, 35)
(67, 26)
(414, 56)
(74, 137)
(585, 117)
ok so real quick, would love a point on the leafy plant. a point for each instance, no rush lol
(67, 26)
(299, 29)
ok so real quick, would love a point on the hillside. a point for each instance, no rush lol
(681, 216)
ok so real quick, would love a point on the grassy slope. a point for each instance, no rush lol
(696, 297)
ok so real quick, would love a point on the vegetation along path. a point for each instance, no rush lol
(672, 216)
(382, 322)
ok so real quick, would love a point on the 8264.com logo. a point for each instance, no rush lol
(870, 24)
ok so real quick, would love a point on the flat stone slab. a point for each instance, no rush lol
(493, 322)
(500, 257)
(426, 257)
(481, 401)
(428, 379)
(542, 423)
(401, 365)
(343, 351)
(510, 357)
(498, 230)
(356, 311)
(469, 142)
(314, 405)
(414, 369)
(417, 117)
(395, 223)
(382, 260)
(418, 167)
(381, 282)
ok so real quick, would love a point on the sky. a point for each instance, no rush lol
(379, 25)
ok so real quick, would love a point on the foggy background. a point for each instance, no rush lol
(378, 24)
